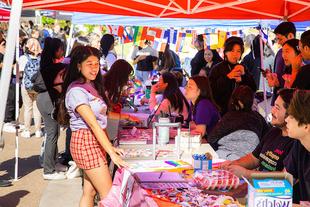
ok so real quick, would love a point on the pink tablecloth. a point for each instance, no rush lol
(139, 197)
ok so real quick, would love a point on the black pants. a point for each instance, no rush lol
(10, 103)
(67, 155)
(52, 130)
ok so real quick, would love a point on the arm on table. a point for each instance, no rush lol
(199, 128)
(123, 116)
(243, 166)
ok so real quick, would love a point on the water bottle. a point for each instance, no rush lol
(148, 87)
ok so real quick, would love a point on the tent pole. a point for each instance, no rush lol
(9, 56)
(69, 40)
(262, 66)
(17, 84)
(122, 40)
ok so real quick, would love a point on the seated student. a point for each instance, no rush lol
(298, 161)
(274, 147)
(204, 111)
(240, 129)
(172, 101)
(179, 76)
(303, 76)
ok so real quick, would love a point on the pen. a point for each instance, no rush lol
(161, 173)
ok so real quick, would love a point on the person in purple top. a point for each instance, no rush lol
(204, 111)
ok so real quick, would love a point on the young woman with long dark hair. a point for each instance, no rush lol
(172, 98)
(114, 82)
(108, 56)
(204, 111)
(212, 58)
(46, 101)
(87, 105)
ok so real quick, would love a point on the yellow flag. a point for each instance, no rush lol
(221, 38)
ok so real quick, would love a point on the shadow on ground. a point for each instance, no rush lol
(12, 199)
(25, 166)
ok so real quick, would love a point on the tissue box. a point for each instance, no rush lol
(270, 190)
(188, 140)
(201, 162)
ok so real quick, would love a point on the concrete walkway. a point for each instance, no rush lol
(62, 193)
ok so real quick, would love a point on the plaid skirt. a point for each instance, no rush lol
(86, 150)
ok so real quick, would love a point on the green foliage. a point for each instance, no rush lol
(49, 21)
(90, 28)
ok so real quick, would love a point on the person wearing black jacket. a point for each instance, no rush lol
(198, 61)
(253, 60)
(227, 75)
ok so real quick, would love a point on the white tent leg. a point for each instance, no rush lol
(262, 66)
(69, 43)
(122, 40)
(17, 106)
(9, 56)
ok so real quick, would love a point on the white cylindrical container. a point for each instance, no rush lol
(163, 132)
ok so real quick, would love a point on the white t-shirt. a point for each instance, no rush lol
(109, 60)
(22, 63)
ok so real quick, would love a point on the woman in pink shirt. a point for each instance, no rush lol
(172, 100)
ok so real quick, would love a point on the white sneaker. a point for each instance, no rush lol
(9, 127)
(25, 134)
(74, 171)
(39, 134)
(55, 176)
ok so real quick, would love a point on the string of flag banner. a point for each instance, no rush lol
(160, 37)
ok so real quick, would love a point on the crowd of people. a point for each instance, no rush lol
(81, 92)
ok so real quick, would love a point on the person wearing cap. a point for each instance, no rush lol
(303, 66)
(229, 74)
(283, 32)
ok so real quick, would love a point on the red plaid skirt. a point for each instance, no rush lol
(86, 150)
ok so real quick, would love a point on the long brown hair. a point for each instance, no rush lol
(116, 78)
(81, 53)
(203, 84)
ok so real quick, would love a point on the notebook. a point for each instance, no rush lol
(159, 177)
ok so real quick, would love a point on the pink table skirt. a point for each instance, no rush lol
(139, 196)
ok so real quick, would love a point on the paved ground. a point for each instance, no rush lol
(31, 190)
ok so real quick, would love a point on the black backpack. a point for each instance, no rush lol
(38, 83)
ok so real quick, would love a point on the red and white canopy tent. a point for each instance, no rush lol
(291, 10)
(4, 14)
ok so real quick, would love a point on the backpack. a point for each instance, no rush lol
(38, 83)
(31, 69)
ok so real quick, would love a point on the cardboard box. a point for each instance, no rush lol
(270, 190)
